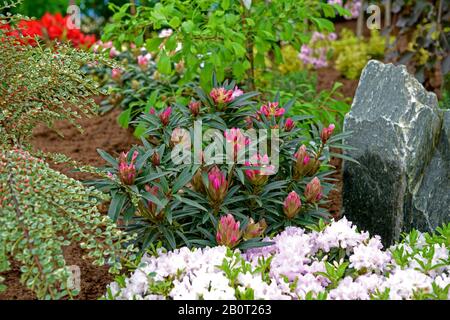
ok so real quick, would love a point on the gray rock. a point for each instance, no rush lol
(396, 127)
(430, 206)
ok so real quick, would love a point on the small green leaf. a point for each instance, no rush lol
(164, 64)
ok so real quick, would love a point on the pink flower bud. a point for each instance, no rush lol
(152, 110)
(237, 92)
(221, 95)
(218, 185)
(313, 191)
(228, 233)
(194, 107)
(292, 205)
(289, 124)
(116, 74)
(237, 139)
(127, 171)
(113, 53)
(259, 177)
(305, 165)
(326, 133)
(254, 230)
(271, 109)
(143, 60)
(164, 116)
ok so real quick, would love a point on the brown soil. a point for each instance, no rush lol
(101, 132)
(327, 77)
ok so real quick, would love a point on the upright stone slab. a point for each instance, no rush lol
(430, 205)
(396, 128)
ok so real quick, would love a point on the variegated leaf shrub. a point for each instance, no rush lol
(41, 210)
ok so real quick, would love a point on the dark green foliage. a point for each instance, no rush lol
(173, 202)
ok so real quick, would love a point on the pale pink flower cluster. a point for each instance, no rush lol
(354, 7)
(316, 55)
(370, 256)
(296, 269)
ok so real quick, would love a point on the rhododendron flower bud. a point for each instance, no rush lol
(254, 230)
(221, 95)
(259, 177)
(218, 185)
(127, 171)
(143, 60)
(116, 74)
(194, 107)
(292, 205)
(326, 133)
(135, 84)
(152, 110)
(164, 116)
(156, 160)
(152, 207)
(271, 109)
(197, 182)
(289, 124)
(113, 53)
(228, 233)
(237, 139)
(237, 92)
(313, 191)
(305, 165)
(302, 164)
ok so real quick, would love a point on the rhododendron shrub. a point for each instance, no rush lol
(334, 261)
(204, 176)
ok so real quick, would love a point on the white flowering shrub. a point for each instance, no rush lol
(331, 262)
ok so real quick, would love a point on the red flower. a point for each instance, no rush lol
(51, 27)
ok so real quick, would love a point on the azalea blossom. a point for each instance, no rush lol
(296, 261)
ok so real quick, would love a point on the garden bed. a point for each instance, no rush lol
(147, 197)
